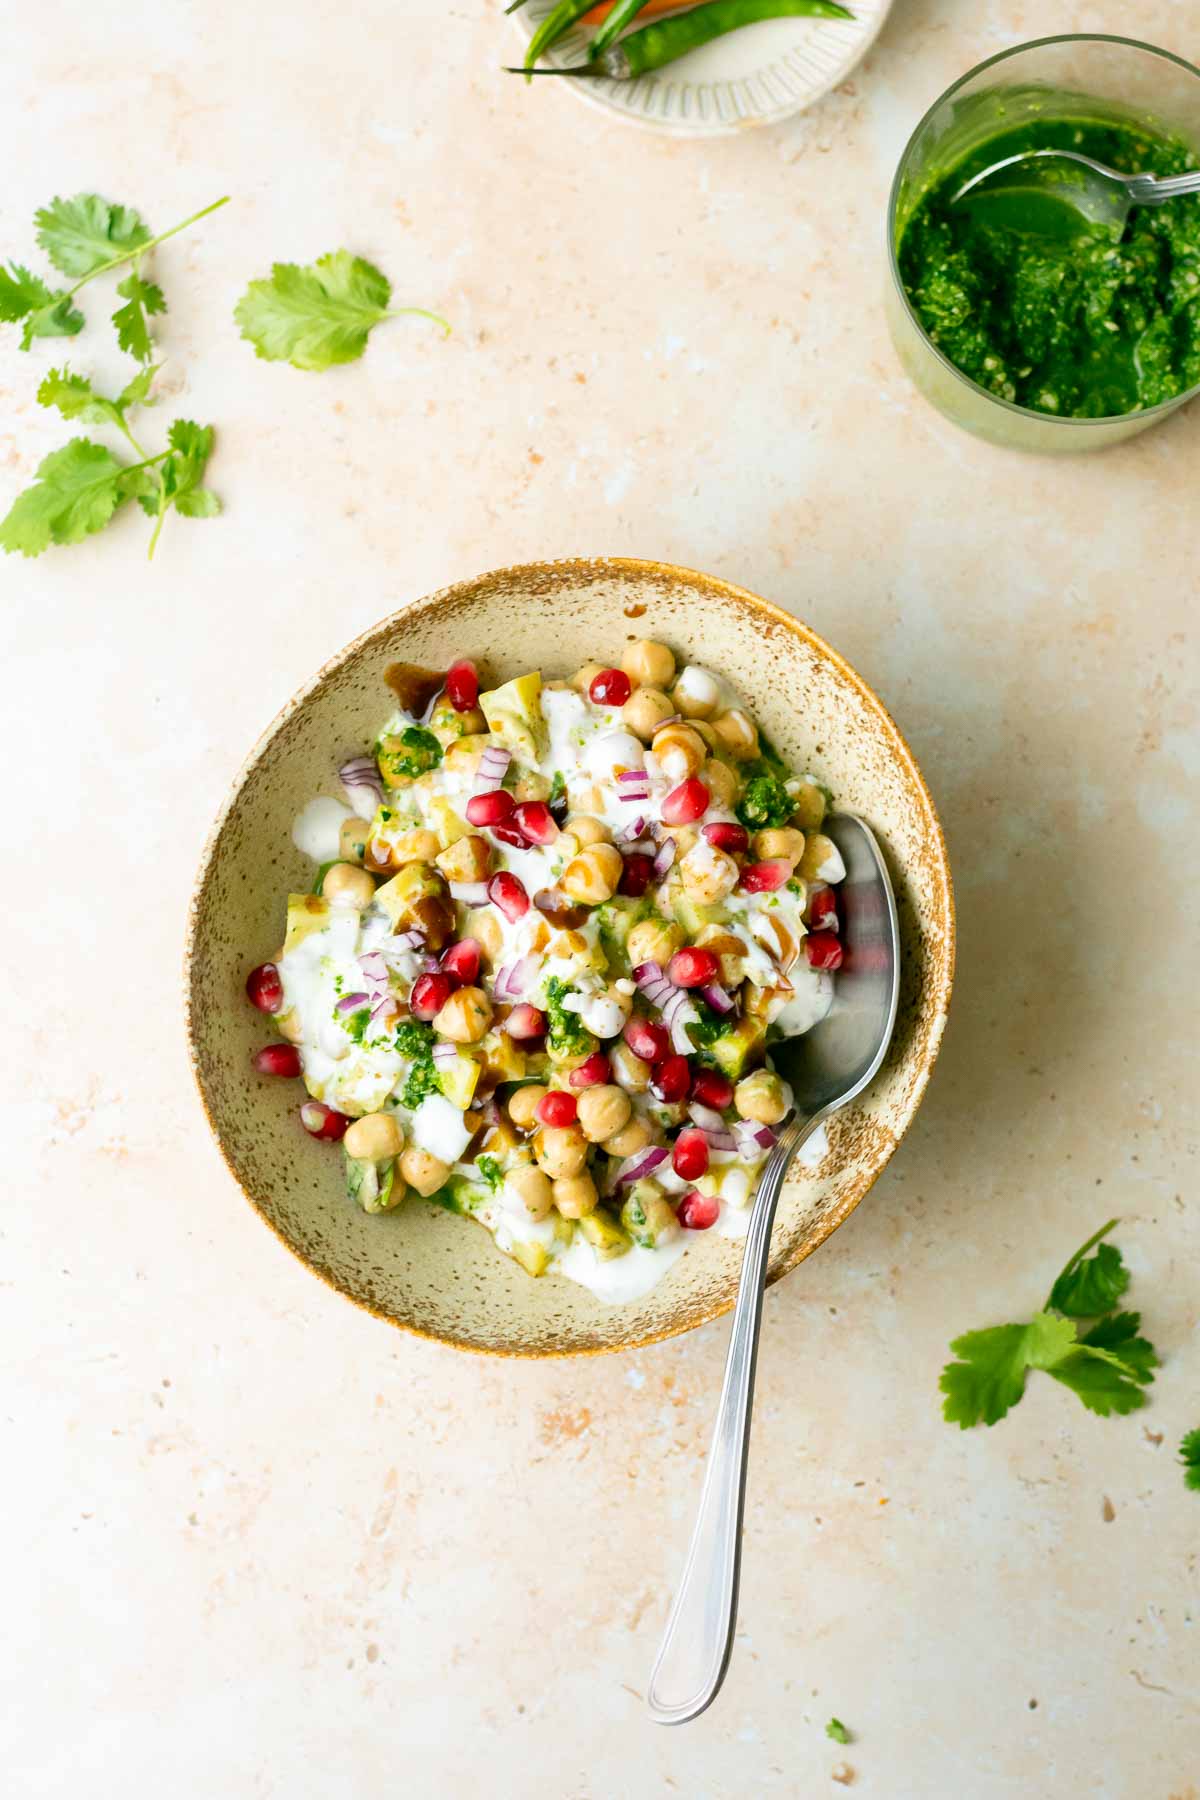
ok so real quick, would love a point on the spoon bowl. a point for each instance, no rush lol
(827, 1067)
(1060, 193)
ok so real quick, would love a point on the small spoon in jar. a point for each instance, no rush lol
(1053, 193)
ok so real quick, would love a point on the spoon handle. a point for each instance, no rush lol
(1150, 189)
(694, 1654)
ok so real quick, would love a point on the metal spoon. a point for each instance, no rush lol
(826, 1067)
(1045, 181)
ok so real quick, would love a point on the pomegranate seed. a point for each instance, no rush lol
(264, 988)
(592, 1071)
(489, 809)
(635, 874)
(462, 959)
(671, 1080)
(711, 1088)
(278, 1059)
(462, 685)
(649, 1041)
(430, 993)
(696, 1211)
(320, 1121)
(822, 913)
(823, 950)
(506, 892)
(611, 687)
(686, 803)
(689, 1159)
(727, 836)
(762, 877)
(508, 833)
(557, 1108)
(535, 820)
(693, 967)
(525, 1022)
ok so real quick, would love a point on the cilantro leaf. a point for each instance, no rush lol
(490, 1170)
(1090, 1285)
(143, 299)
(191, 447)
(1189, 1451)
(317, 314)
(1100, 1380)
(1118, 1335)
(80, 235)
(989, 1378)
(25, 296)
(76, 398)
(765, 801)
(77, 490)
(837, 1731)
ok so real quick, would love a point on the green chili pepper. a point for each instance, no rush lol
(622, 14)
(664, 40)
(557, 21)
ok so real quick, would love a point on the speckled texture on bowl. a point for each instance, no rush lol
(425, 1269)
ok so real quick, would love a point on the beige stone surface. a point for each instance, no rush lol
(256, 1544)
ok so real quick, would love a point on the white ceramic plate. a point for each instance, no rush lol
(755, 76)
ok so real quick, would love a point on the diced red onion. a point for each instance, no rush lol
(444, 1054)
(493, 765)
(374, 965)
(706, 1117)
(625, 776)
(383, 1004)
(675, 719)
(634, 1167)
(723, 1142)
(513, 980)
(362, 773)
(403, 940)
(631, 832)
(351, 1002)
(665, 857)
(749, 1131)
(679, 1036)
(470, 893)
(716, 997)
(653, 983)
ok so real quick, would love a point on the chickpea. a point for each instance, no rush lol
(469, 859)
(602, 1112)
(531, 786)
(344, 885)
(630, 1070)
(696, 694)
(764, 1002)
(631, 1138)
(708, 874)
(653, 940)
(575, 1196)
(560, 1150)
(604, 1015)
(422, 1171)
(822, 860)
(705, 733)
(374, 1138)
(761, 1096)
(586, 830)
(352, 839)
(645, 710)
(462, 757)
(486, 929)
(737, 734)
(533, 1188)
(729, 950)
(721, 782)
(779, 844)
(809, 806)
(416, 846)
(524, 1103)
(593, 875)
(648, 663)
(465, 1016)
(290, 1025)
(583, 678)
(680, 751)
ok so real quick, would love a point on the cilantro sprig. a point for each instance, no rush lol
(1189, 1455)
(837, 1731)
(1107, 1367)
(79, 488)
(315, 315)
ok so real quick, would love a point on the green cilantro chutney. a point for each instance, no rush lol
(1086, 326)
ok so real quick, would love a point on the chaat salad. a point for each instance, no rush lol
(553, 929)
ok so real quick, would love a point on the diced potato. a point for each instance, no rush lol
(607, 1238)
(459, 1080)
(306, 913)
(514, 715)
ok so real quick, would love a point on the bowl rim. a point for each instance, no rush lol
(721, 590)
(1149, 414)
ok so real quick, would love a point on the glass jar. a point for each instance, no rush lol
(1113, 79)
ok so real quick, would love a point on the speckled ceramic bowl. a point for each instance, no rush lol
(422, 1268)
